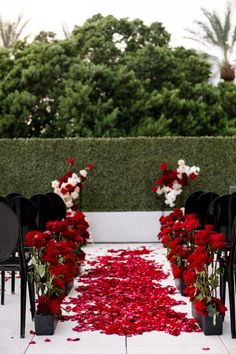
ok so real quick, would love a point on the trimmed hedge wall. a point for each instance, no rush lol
(125, 168)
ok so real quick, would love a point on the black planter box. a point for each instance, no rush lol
(207, 325)
(68, 287)
(45, 324)
(180, 286)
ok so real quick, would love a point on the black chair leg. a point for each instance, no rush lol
(32, 298)
(222, 288)
(3, 287)
(13, 277)
(232, 304)
(22, 306)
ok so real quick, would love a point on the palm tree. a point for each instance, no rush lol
(219, 34)
(11, 31)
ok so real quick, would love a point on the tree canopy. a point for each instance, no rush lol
(110, 78)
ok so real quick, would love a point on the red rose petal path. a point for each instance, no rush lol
(122, 294)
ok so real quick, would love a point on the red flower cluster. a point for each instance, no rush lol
(122, 294)
(176, 235)
(171, 182)
(193, 254)
(56, 257)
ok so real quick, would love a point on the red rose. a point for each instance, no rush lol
(192, 176)
(29, 237)
(71, 161)
(202, 238)
(217, 241)
(222, 308)
(90, 166)
(58, 283)
(43, 304)
(64, 191)
(55, 305)
(154, 189)
(189, 277)
(165, 239)
(69, 187)
(191, 291)
(177, 271)
(39, 240)
(163, 166)
(200, 307)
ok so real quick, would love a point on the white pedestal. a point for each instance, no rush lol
(135, 226)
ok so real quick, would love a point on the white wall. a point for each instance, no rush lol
(136, 226)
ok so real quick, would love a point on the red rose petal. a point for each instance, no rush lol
(47, 340)
(122, 294)
(32, 332)
(32, 342)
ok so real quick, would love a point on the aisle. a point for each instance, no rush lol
(67, 341)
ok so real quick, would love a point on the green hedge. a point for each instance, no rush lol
(125, 168)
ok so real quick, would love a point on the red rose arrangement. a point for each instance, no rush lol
(202, 276)
(171, 183)
(70, 185)
(194, 257)
(56, 257)
(177, 232)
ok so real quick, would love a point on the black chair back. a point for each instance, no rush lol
(3, 200)
(201, 206)
(45, 210)
(221, 214)
(59, 206)
(9, 232)
(26, 212)
(12, 195)
(190, 202)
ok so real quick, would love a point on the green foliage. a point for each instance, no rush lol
(125, 168)
(111, 78)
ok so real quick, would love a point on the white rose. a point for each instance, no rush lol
(72, 181)
(83, 173)
(55, 184)
(181, 162)
(74, 195)
(69, 203)
(76, 178)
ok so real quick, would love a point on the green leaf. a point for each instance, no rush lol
(41, 270)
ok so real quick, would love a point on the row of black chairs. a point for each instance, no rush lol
(18, 215)
(220, 211)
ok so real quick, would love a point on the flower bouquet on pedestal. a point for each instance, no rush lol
(171, 183)
(70, 185)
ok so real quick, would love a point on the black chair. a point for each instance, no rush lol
(26, 212)
(45, 210)
(10, 243)
(221, 214)
(12, 195)
(59, 207)
(3, 200)
(190, 202)
(201, 207)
